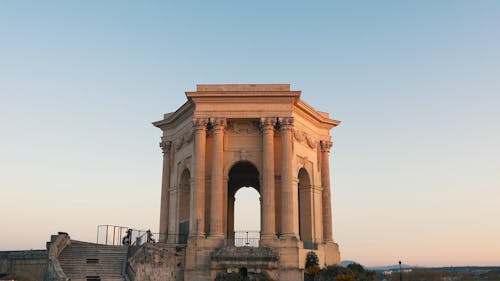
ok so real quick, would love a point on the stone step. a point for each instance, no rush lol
(111, 259)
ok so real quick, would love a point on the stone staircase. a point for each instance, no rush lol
(82, 261)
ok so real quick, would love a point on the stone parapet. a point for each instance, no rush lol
(157, 262)
(57, 245)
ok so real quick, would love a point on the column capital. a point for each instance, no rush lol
(286, 123)
(218, 123)
(325, 145)
(267, 123)
(200, 123)
(165, 146)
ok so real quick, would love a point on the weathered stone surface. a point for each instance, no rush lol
(157, 262)
(236, 276)
(28, 265)
(255, 260)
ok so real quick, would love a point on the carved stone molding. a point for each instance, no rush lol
(183, 164)
(186, 138)
(325, 145)
(243, 154)
(286, 123)
(242, 127)
(302, 137)
(200, 123)
(165, 146)
(302, 160)
(218, 123)
(311, 141)
(299, 135)
(267, 123)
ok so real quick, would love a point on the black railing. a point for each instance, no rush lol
(160, 237)
(122, 235)
(111, 234)
(244, 239)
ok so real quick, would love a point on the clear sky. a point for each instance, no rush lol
(416, 160)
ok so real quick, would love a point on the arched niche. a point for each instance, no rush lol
(184, 206)
(306, 211)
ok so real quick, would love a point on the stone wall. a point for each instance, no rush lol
(155, 262)
(28, 265)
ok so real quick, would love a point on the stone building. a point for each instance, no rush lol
(223, 138)
(229, 136)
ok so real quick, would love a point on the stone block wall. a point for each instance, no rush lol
(28, 265)
(157, 262)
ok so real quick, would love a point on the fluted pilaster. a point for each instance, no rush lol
(165, 186)
(268, 201)
(325, 183)
(287, 204)
(197, 205)
(216, 195)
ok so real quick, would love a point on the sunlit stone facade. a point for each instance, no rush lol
(264, 136)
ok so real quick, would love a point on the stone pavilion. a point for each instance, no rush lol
(247, 135)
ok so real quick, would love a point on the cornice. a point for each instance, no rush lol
(174, 116)
(311, 112)
(239, 94)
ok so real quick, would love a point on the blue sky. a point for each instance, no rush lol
(415, 164)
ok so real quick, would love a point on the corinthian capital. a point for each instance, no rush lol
(325, 145)
(286, 123)
(218, 123)
(267, 123)
(165, 146)
(200, 123)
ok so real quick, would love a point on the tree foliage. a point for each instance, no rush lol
(353, 272)
(312, 264)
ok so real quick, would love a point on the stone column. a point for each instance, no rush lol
(217, 191)
(197, 204)
(287, 192)
(268, 206)
(165, 194)
(325, 183)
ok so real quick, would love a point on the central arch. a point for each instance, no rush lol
(241, 174)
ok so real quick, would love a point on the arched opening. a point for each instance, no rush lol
(247, 217)
(243, 220)
(306, 226)
(184, 202)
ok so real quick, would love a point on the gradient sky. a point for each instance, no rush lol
(416, 160)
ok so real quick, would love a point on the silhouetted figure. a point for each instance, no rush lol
(149, 237)
(127, 238)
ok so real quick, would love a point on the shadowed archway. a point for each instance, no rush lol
(242, 174)
(184, 205)
(306, 227)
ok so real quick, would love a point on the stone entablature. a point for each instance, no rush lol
(280, 142)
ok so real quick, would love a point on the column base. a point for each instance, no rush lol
(268, 236)
(289, 236)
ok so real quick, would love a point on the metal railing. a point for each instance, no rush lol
(111, 234)
(154, 237)
(115, 235)
(119, 235)
(244, 238)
